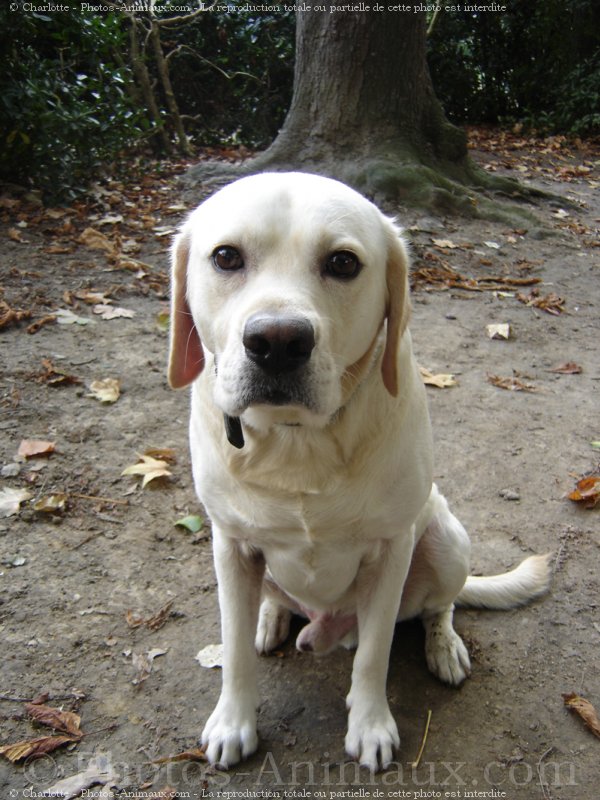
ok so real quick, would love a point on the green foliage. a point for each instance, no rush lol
(64, 106)
(537, 62)
(233, 74)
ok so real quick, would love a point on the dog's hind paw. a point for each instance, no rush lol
(273, 626)
(447, 656)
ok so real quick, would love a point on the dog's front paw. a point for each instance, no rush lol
(273, 626)
(230, 733)
(372, 735)
(447, 656)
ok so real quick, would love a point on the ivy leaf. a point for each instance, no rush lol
(192, 522)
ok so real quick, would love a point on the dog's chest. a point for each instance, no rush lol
(313, 545)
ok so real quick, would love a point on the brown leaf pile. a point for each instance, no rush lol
(440, 275)
(550, 303)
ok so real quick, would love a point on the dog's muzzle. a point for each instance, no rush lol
(277, 345)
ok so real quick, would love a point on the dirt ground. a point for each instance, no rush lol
(505, 459)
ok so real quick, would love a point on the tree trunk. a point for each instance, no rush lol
(362, 84)
(165, 79)
(145, 85)
(364, 111)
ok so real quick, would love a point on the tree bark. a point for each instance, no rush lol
(165, 79)
(145, 84)
(364, 111)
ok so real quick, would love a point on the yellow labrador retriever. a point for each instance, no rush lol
(311, 448)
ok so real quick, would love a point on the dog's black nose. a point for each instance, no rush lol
(278, 343)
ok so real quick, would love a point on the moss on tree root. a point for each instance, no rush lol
(400, 179)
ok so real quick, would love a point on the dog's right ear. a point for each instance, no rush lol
(186, 356)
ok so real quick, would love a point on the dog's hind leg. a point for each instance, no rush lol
(438, 572)
(273, 625)
(447, 656)
(274, 617)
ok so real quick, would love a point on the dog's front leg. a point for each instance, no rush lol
(230, 733)
(372, 732)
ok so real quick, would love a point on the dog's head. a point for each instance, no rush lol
(288, 280)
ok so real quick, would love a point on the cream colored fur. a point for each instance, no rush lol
(329, 509)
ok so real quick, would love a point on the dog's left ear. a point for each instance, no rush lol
(186, 356)
(398, 306)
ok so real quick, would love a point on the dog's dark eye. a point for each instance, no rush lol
(227, 258)
(342, 264)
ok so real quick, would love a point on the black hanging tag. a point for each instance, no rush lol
(233, 429)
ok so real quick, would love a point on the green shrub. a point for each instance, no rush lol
(233, 75)
(539, 62)
(64, 104)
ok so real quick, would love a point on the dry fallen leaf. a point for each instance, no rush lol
(64, 316)
(11, 499)
(446, 244)
(165, 453)
(513, 384)
(32, 448)
(569, 368)
(551, 303)
(211, 656)
(39, 323)
(107, 390)
(112, 312)
(63, 721)
(585, 710)
(587, 491)
(34, 747)
(97, 241)
(98, 771)
(53, 376)
(16, 236)
(93, 298)
(195, 754)
(498, 330)
(441, 380)
(66, 722)
(142, 663)
(51, 504)
(154, 622)
(150, 468)
(10, 315)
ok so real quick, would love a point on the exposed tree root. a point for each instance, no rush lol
(394, 179)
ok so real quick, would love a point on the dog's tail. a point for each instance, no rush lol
(522, 584)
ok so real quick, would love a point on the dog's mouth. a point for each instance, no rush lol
(274, 397)
(285, 389)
